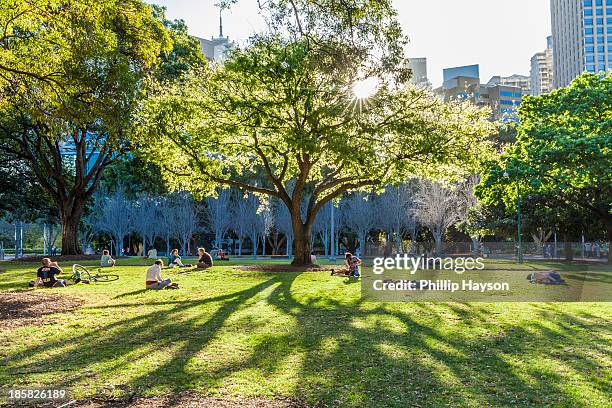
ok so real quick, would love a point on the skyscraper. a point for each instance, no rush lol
(582, 38)
(418, 66)
(542, 75)
(216, 49)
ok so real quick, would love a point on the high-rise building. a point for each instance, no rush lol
(542, 75)
(418, 66)
(582, 38)
(216, 49)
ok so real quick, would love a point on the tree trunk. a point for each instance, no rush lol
(567, 245)
(438, 240)
(303, 249)
(70, 242)
(301, 241)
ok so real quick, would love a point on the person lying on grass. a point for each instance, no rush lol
(351, 266)
(106, 260)
(155, 280)
(175, 260)
(205, 259)
(45, 275)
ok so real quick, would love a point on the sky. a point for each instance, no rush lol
(500, 35)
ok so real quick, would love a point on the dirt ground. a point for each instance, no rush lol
(181, 400)
(283, 268)
(31, 307)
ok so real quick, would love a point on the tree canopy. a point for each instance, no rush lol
(284, 106)
(71, 74)
(562, 157)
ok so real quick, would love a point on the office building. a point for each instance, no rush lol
(468, 71)
(516, 80)
(582, 38)
(418, 66)
(542, 75)
(502, 94)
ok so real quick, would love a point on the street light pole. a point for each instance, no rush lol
(520, 239)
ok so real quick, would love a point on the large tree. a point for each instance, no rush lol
(321, 104)
(71, 74)
(562, 158)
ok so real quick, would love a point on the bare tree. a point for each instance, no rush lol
(115, 218)
(322, 227)
(219, 215)
(282, 223)
(185, 220)
(359, 215)
(167, 228)
(146, 219)
(438, 208)
(395, 213)
(265, 225)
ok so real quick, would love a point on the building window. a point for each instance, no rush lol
(588, 3)
(589, 58)
(588, 12)
(588, 40)
(588, 31)
(590, 68)
(589, 48)
(599, 12)
(506, 93)
(589, 21)
(601, 49)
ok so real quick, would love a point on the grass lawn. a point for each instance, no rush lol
(237, 334)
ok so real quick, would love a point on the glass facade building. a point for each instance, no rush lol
(582, 37)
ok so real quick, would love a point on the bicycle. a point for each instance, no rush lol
(82, 274)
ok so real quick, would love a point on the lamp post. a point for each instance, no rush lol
(332, 256)
(518, 206)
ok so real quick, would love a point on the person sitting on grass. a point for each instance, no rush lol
(106, 260)
(205, 261)
(151, 254)
(175, 260)
(155, 280)
(351, 266)
(45, 275)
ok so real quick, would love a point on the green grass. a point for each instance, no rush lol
(231, 333)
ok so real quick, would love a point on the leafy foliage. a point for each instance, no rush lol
(562, 157)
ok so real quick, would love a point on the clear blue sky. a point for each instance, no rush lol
(499, 35)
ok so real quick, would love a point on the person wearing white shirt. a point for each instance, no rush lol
(155, 280)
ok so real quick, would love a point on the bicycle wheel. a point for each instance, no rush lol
(80, 272)
(106, 278)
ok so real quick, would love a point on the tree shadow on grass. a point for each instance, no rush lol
(342, 353)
